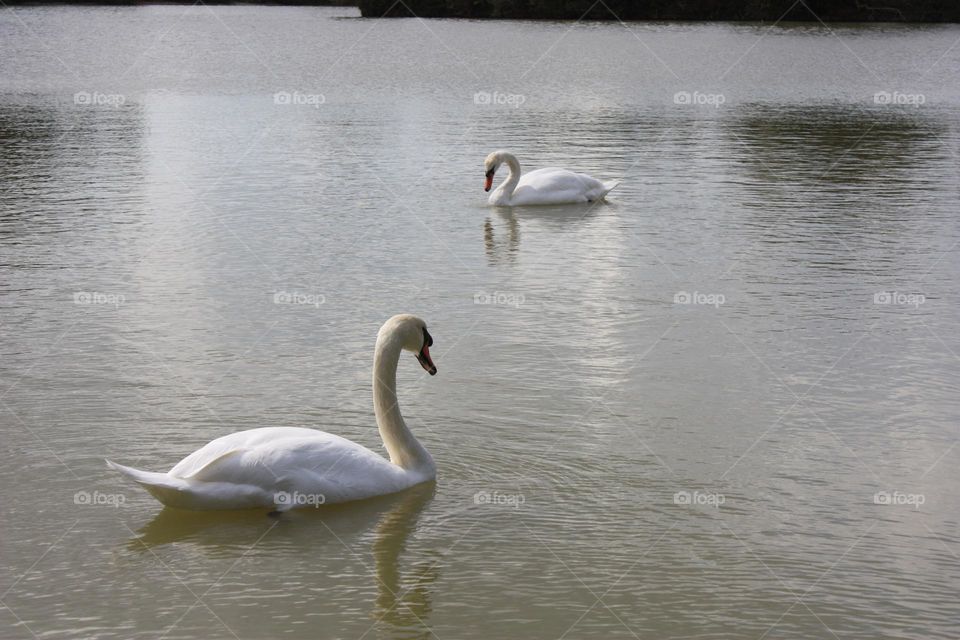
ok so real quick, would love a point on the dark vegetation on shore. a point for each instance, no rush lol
(752, 10)
(317, 3)
(735, 10)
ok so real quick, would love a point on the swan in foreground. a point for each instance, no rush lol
(287, 467)
(543, 186)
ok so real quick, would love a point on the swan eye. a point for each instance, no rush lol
(427, 339)
(490, 172)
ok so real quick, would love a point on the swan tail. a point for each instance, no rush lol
(164, 487)
(610, 185)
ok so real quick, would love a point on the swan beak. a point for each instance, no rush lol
(425, 361)
(489, 181)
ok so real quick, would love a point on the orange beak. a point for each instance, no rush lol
(489, 181)
(426, 361)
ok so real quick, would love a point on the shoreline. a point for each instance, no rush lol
(850, 11)
(749, 11)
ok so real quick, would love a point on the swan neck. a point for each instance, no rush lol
(403, 448)
(513, 178)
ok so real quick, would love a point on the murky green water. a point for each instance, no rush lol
(763, 322)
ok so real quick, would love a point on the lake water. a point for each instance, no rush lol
(762, 322)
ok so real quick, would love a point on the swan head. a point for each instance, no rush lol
(412, 335)
(490, 166)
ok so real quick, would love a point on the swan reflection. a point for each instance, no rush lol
(504, 250)
(501, 235)
(404, 600)
(404, 604)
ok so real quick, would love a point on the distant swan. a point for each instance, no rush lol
(287, 467)
(543, 186)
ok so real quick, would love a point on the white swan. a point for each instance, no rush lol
(543, 186)
(288, 467)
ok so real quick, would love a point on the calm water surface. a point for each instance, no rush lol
(762, 322)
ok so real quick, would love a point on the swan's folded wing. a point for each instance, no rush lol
(210, 471)
(272, 457)
(217, 452)
(557, 186)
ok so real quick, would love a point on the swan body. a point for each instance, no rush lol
(287, 467)
(543, 186)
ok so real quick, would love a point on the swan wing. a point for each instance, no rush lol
(557, 186)
(294, 459)
(251, 468)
